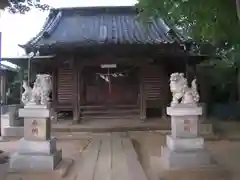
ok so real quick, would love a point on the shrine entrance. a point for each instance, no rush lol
(110, 85)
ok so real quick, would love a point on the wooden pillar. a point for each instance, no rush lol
(55, 87)
(3, 86)
(76, 94)
(55, 92)
(21, 78)
(142, 98)
(80, 90)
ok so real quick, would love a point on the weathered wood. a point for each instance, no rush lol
(80, 91)
(55, 87)
(3, 80)
(21, 78)
(142, 103)
(55, 93)
(142, 97)
(75, 99)
(120, 90)
(103, 165)
(65, 85)
(152, 79)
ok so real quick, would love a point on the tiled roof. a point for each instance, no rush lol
(101, 25)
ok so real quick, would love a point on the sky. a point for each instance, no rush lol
(18, 29)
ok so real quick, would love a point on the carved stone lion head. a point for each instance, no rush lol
(177, 82)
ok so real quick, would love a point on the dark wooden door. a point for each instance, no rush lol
(110, 88)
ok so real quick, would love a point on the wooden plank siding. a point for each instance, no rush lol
(71, 92)
(65, 87)
(154, 86)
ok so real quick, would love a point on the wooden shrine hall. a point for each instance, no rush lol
(108, 63)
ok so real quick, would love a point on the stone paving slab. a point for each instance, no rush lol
(60, 172)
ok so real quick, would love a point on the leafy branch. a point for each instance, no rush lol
(23, 6)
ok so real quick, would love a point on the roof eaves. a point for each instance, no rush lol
(48, 27)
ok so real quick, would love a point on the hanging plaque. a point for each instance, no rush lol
(108, 65)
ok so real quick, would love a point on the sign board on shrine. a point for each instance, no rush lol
(108, 65)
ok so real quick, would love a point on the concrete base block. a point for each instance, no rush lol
(185, 159)
(17, 131)
(43, 147)
(38, 162)
(34, 113)
(184, 143)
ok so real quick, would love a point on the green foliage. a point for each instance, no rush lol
(221, 79)
(213, 21)
(23, 6)
(215, 26)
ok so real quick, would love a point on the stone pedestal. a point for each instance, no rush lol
(185, 149)
(11, 124)
(37, 150)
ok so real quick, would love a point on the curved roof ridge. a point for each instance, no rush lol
(50, 18)
(78, 24)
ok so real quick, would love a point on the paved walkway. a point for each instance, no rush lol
(111, 156)
(105, 157)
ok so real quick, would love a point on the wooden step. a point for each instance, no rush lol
(119, 111)
(108, 107)
(85, 117)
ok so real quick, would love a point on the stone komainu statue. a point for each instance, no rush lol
(27, 94)
(181, 93)
(39, 94)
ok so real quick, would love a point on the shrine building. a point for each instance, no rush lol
(107, 62)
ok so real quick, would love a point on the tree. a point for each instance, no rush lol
(214, 21)
(22, 6)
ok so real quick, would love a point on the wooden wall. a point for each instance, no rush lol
(65, 85)
(152, 87)
(155, 85)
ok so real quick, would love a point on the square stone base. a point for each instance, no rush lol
(31, 147)
(33, 161)
(185, 159)
(182, 144)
